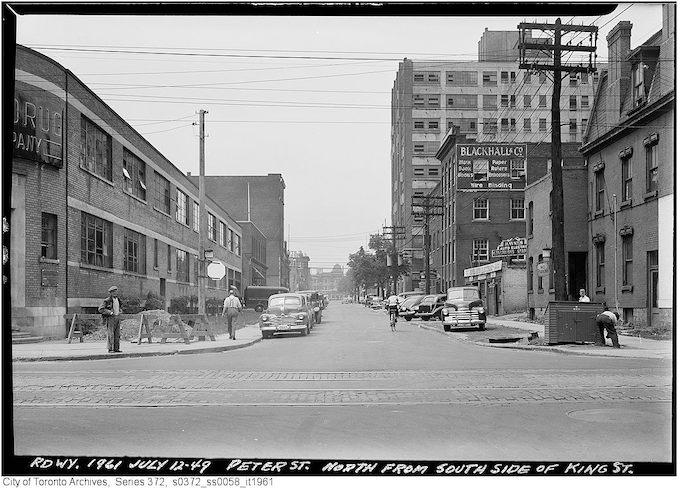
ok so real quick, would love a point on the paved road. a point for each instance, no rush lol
(351, 389)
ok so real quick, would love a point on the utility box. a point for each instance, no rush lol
(572, 322)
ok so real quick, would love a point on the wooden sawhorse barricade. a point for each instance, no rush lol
(201, 329)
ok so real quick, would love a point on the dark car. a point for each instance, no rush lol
(406, 308)
(431, 307)
(286, 313)
(316, 303)
(464, 307)
(256, 297)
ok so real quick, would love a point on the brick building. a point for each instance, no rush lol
(630, 150)
(300, 274)
(261, 200)
(253, 254)
(94, 204)
(328, 282)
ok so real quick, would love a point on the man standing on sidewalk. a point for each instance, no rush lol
(110, 313)
(608, 321)
(232, 307)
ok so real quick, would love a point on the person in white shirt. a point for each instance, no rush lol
(232, 308)
(393, 302)
(608, 321)
(583, 297)
(110, 311)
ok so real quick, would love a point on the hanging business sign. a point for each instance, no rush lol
(491, 166)
(38, 125)
(515, 246)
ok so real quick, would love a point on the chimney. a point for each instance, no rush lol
(619, 70)
(668, 47)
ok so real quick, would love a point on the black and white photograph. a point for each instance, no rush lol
(251, 244)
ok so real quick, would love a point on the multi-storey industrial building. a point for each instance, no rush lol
(488, 101)
(94, 204)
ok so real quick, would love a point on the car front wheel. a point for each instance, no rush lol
(408, 318)
(259, 308)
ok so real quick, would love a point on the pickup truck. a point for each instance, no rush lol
(464, 307)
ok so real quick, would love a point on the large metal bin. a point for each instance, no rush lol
(571, 322)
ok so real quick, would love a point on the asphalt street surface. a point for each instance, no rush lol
(351, 389)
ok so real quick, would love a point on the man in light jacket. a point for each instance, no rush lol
(232, 308)
(110, 311)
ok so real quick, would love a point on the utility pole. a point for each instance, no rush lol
(557, 68)
(430, 207)
(396, 232)
(201, 218)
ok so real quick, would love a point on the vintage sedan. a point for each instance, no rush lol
(286, 313)
(464, 307)
(406, 309)
(431, 307)
(316, 303)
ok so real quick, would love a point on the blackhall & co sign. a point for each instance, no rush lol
(38, 125)
(491, 166)
(511, 248)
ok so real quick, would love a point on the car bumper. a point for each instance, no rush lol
(457, 321)
(406, 313)
(426, 314)
(296, 327)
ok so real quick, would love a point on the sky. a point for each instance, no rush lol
(307, 97)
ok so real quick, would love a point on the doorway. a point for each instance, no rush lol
(577, 274)
(652, 284)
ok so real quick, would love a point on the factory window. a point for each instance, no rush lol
(135, 252)
(489, 102)
(96, 241)
(95, 149)
(134, 171)
(182, 214)
(489, 78)
(48, 240)
(211, 227)
(481, 209)
(183, 266)
(162, 194)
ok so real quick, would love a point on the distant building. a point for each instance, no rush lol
(328, 282)
(253, 254)
(261, 200)
(300, 274)
(630, 150)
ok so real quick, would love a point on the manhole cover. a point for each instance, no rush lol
(613, 415)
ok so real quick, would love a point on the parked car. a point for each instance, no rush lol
(464, 307)
(316, 302)
(256, 297)
(431, 307)
(377, 303)
(407, 294)
(406, 308)
(286, 313)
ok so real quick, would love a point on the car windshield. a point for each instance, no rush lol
(462, 294)
(410, 301)
(288, 302)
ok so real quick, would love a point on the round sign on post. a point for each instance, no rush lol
(216, 270)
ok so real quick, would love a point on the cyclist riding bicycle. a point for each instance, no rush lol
(393, 304)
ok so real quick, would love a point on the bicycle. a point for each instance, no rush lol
(393, 315)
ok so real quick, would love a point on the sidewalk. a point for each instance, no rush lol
(631, 347)
(60, 350)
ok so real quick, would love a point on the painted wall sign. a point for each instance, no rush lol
(491, 166)
(484, 269)
(515, 246)
(38, 125)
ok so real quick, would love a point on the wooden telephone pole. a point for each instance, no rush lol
(555, 51)
(395, 232)
(429, 206)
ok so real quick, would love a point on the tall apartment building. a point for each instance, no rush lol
(261, 200)
(489, 101)
(94, 204)
(300, 274)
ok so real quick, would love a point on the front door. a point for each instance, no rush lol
(652, 283)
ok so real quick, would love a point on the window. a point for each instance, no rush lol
(542, 77)
(134, 256)
(517, 167)
(196, 217)
(584, 78)
(433, 100)
(95, 149)
(462, 101)
(480, 169)
(48, 239)
(466, 126)
(600, 264)
(155, 253)
(573, 79)
(530, 274)
(652, 167)
(513, 125)
(418, 100)
(505, 77)
(490, 126)
(573, 126)
(183, 266)
(236, 238)
(462, 78)
(481, 209)
(513, 77)
(600, 190)
(418, 171)
(419, 124)
(169, 258)
(584, 101)
(162, 194)
(542, 125)
(542, 101)
(489, 78)
(433, 77)
(182, 214)
(527, 125)
(584, 125)
(96, 241)
(528, 78)
(627, 260)
(433, 171)
(540, 278)
(222, 234)
(418, 148)
(489, 102)
(211, 227)
(530, 218)
(627, 178)
(596, 77)
(134, 171)
(638, 85)
(480, 250)
(504, 100)
(230, 240)
(573, 102)
(527, 101)
(504, 125)
(433, 124)
(517, 209)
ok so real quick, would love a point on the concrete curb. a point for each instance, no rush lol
(555, 349)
